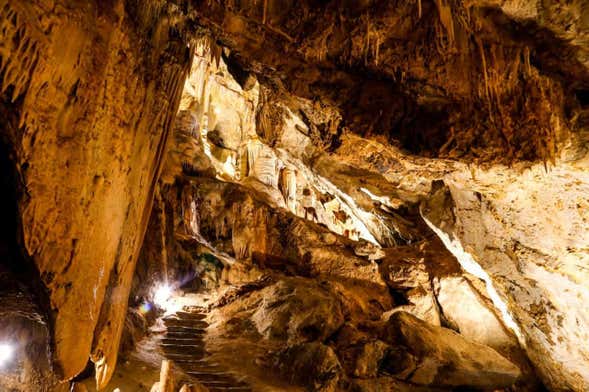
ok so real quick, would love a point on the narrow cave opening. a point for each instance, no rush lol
(10, 255)
(24, 333)
(13, 258)
(582, 96)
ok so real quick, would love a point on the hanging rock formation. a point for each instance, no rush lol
(383, 195)
(89, 93)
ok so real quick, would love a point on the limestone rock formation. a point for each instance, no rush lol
(374, 194)
(90, 107)
(441, 357)
(313, 364)
(469, 312)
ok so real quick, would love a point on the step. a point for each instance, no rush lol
(185, 337)
(221, 384)
(206, 363)
(183, 359)
(174, 320)
(184, 328)
(186, 323)
(184, 350)
(182, 341)
(231, 389)
(205, 372)
(213, 377)
(191, 316)
(185, 334)
(192, 310)
(203, 367)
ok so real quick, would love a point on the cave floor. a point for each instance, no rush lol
(138, 371)
(184, 335)
(217, 361)
(184, 344)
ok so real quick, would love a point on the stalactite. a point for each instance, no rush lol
(17, 63)
(485, 76)
(376, 48)
(265, 12)
(446, 19)
(367, 41)
(526, 55)
(163, 225)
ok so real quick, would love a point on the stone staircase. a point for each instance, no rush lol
(183, 344)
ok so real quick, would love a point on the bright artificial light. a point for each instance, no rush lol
(162, 294)
(6, 353)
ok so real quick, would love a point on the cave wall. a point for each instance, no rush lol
(244, 217)
(96, 85)
(523, 251)
(525, 226)
(529, 232)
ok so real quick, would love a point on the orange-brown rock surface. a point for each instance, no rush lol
(92, 89)
(339, 173)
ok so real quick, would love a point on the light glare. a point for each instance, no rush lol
(6, 353)
(162, 294)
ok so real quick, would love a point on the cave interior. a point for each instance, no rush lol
(282, 195)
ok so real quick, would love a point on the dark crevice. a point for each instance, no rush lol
(13, 256)
(582, 97)
(399, 297)
(16, 266)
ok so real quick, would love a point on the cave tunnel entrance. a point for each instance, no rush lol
(11, 260)
(24, 337)
(17, 271)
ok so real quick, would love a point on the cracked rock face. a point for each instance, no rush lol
(350, 176)
(532, 249)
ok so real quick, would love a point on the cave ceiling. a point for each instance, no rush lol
(477, 80)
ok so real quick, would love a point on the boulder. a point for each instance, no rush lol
(468, 311)
(422, 304)
(410, 271)
(363, 360)
(297, 310)
(437, 356)
(313, 364)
